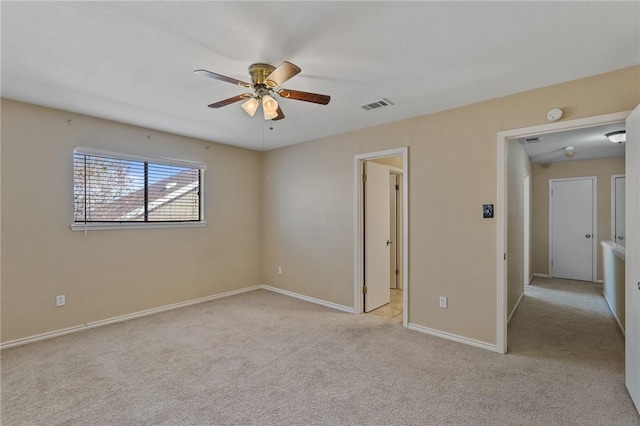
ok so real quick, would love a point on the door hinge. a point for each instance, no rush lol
(552, 263)
(364, 289)
(397, 271)
(364, 178)
(397, 187)
(505, 256)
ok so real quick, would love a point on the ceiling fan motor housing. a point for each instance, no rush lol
(259, 73)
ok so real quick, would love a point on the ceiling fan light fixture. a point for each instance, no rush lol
(264, 79)
(617, 136)
(250, 106)
(568, 152)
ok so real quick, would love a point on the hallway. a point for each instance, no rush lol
(566, 329)
(569, 319)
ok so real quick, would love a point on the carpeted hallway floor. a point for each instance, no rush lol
(261, 358)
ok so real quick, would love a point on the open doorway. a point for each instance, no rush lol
(390, 305)
(539, 205)
(631, 165)
(381, 244)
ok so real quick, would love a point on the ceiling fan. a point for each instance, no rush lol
(265, 82)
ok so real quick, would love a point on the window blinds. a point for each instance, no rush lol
(115, 188)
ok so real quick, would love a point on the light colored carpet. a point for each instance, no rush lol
(261, 358)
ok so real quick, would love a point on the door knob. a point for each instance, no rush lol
(389, 242)
(588, 235)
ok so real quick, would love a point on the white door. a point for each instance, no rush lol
(619, 189)
(632, 265)
(376, 236)
(571, 230)
(393, 231)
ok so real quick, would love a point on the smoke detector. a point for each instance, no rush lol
(554, 114)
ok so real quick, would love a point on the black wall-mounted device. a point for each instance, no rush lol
(487, 211)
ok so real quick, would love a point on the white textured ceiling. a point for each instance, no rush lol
(133, 62)
(587, 144)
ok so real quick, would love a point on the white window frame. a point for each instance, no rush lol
(97, 226)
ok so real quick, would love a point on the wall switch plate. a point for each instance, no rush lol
(487, 211)
(280, 270)
(443, 302)
(61, 300)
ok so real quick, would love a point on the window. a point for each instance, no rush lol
(118, 189)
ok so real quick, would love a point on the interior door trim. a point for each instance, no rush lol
(613, 207)
(358, 264)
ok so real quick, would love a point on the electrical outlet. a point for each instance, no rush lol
(61, 300)
(280, 270)
(443, 302)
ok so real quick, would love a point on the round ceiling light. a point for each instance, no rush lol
(618, 136)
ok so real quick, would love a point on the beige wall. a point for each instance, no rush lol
(519, 166)
(110, 273)
(603, 169)
(308, 221)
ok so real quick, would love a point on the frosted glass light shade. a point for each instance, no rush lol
(269, 104)
(270, 115)
(617, 137)
(250, 106)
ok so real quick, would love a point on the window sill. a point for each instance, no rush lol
(146, 225)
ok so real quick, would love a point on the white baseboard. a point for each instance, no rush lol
(539, 275)
(614, 313)
(413, 327)
(515, 308)
(309, 299)
(599, 281)
(454, 337)
(126, 317)
(531, 278)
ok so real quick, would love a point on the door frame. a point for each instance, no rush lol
(501, 207)
(594, 223)
(613, 206)
(526, 213)
(358, 232)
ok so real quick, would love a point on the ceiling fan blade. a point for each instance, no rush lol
(230, 100)
(305, 96)
(220, 77)
(284, 72)
(280, 115)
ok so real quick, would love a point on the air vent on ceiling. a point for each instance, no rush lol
(533, 139)
(384, 102)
